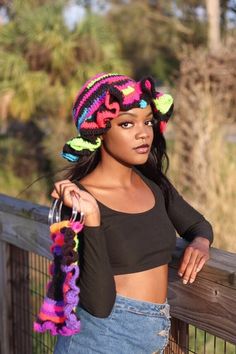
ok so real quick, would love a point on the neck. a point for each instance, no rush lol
(115, 173)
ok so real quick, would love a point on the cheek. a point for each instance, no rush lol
(152, 134)
(119, 146)
(117, 140)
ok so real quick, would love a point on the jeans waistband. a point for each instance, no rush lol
(145, 307)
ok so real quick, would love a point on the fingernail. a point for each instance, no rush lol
(185, 281)
(180, 274)
(191, 280)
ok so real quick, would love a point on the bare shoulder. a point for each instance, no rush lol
(93, 183)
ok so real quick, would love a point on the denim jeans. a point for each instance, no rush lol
(133, 327)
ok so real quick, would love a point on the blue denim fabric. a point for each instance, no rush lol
(133, 327)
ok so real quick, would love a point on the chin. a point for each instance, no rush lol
(140, 160)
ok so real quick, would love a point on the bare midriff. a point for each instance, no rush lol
(149, 285)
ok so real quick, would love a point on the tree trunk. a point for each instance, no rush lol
(213, 14)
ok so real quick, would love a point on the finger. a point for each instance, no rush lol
(54, 194)
(60, 185)
(185, 260)
(194, 271)
(201, 263)
(70, 192)
(190, 266)
(64, 188)
(76, 200)
(57, 185)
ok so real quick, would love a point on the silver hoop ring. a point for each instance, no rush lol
(54, 214)
(82, 217)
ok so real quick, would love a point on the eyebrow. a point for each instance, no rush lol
(133, 114)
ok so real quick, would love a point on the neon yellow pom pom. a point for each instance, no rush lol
(163, 103)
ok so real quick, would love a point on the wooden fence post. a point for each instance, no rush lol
(21, 316)
(178, 343)
(5, 300)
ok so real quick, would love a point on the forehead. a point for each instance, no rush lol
(136, 112)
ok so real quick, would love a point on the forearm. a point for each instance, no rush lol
(96, 282)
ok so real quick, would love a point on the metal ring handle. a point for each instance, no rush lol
(74, 209)
(55, 211)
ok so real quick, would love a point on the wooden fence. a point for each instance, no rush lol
(209, 303)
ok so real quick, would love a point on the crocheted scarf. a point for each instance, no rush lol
(57, 313)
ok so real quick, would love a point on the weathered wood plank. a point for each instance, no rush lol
(23, 208)
(205, 304)
(5, 303)
(21, 304)
(221, 268)
(179, 338)
(27, 234)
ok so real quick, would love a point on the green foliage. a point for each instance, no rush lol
(151, 36)
(42, 66)
(43, 63)
(20, 166)
(39, 54)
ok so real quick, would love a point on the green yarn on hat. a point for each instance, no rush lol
(79, 144)
(163, 103)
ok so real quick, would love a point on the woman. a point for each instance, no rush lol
(131, 214)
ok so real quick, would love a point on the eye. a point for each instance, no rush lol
(126, 125)
(150, 122)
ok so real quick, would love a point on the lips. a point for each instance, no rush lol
(142, 146)
(142, 149)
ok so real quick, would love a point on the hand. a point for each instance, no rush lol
(85, 202)
(195, 256)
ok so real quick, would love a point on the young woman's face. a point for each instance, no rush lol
(130, 137)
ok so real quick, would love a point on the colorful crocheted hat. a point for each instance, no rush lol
(101, 99)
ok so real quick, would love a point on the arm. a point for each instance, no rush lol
(96, 281)
(188, 222)
(192, 226)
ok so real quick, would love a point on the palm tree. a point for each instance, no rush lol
(40, 53)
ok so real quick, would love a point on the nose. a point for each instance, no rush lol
(143, 133)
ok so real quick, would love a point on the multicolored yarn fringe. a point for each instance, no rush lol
(57, 313)
(102, 98)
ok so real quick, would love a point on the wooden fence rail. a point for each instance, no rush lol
(209, 303)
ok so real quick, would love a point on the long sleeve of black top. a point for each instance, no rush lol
(188, 222)
(96, 281)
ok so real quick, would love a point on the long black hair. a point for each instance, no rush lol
(155, 167)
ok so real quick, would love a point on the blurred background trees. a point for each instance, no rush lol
(49, 48)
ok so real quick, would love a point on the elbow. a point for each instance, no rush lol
(101, 309)
(202, 228)
(100, 313)
(98, 299)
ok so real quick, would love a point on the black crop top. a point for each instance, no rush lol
(128, 243)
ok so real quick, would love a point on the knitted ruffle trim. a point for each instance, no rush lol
(57, 313)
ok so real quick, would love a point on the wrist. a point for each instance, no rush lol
(93, 220)
(203, 240)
